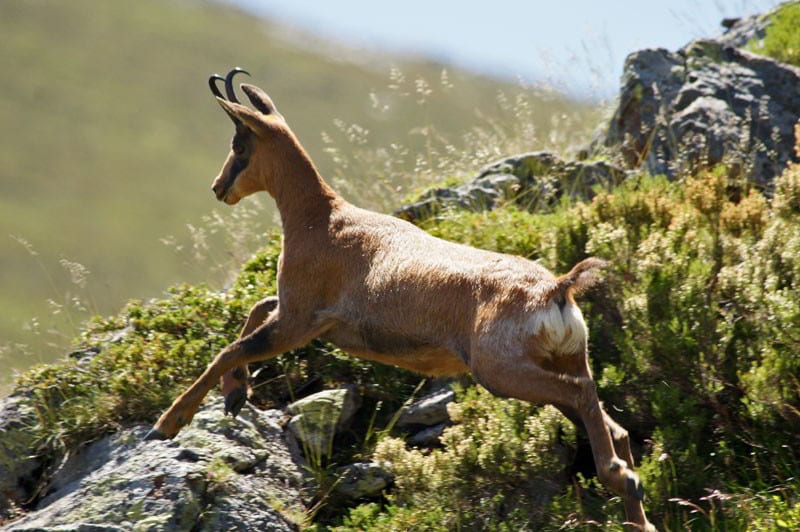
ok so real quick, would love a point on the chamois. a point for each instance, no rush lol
(382, 289)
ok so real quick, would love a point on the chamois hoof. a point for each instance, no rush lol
(155, 434)
(634, 487)
(235, 401)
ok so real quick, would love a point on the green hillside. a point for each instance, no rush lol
(110, 140)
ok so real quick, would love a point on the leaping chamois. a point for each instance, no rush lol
(382, 289)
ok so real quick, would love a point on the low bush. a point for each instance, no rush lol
(782, 40)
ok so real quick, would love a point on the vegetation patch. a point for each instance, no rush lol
(782, 40)
(694, 344)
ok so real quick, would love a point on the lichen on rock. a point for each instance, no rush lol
(216, 475)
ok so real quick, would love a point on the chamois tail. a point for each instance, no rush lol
(580, 278)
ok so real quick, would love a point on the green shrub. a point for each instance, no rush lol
(782, 39)
(500, 464)
(162, 347)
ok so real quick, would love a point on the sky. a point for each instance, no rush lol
(577, 46)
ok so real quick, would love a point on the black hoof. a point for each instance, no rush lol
(235, 401)
(635, 488)
(155, 434)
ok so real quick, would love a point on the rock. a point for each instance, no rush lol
(78, 527)
(84, 354)
(708, 103)
(741, 31)
(650, 78)
(218, 474)
(430, 410)
(532, 180)
(18, 462)
(477, 195)
(429, 436)
(318, 417)
(363, 479)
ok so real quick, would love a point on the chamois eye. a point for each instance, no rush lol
(238, 147)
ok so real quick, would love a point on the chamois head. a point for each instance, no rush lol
(259, 145)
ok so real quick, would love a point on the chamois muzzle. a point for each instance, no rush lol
(229, 92)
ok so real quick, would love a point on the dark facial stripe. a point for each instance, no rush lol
(241, 145)
(238, 166)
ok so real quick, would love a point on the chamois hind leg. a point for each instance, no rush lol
(520, 377)
(235, 387)
(633, 507)
(619, 435)
(634, 510)
(280, 333)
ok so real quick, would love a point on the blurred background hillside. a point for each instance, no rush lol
(110, 137)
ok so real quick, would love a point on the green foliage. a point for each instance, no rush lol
(489, 230)
(162, 346)
(704, 282)
(778, 509)
(782, 39)
(371, 516)
(495, 470)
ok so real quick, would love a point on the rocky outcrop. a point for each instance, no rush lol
(710, 102)
(362, 480)
(740, 31)
(218, 474)
(531, 180)
(426, 419)
(318, 417)
(428, 411)
(18, 462)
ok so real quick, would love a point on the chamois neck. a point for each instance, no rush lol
(300, 192)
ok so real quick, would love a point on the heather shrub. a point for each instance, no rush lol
(499, 465)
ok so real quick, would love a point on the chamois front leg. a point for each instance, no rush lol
(235, 386)
(280, 333)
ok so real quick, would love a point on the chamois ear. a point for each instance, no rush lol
(260, 100)
(241, 115)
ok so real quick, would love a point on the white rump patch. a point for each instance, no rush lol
(562, 331)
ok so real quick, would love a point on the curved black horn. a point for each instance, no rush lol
(212, 84)
(229, 83)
